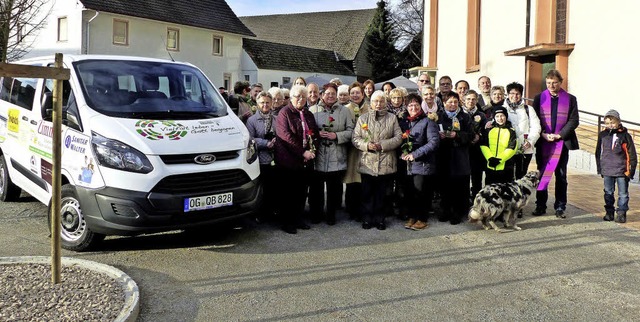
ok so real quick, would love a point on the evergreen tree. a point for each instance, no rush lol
(381, 51)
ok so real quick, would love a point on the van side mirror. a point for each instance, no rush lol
(47, 106)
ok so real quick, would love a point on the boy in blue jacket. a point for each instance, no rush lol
(616, 160)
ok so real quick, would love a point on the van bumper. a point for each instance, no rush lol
(113, 211)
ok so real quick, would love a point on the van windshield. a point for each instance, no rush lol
(139, 89)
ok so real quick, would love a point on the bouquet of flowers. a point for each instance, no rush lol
(365, 128)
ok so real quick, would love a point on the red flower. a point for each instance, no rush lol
(309, 132)
(331, 119)
(406, 134)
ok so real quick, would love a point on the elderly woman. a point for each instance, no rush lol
(278, 100)
(336, 129)
(419, 145)
(377, 135)
(456, 133)
(285, 96)
(261, 127)
(343, 94)
(296, 144)
(353, 192)
(369, 87)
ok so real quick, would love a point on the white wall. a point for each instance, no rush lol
(47, 42)
(146, 38)
(603, 67)
(502, 28)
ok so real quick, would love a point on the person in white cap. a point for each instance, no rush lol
(616, 160)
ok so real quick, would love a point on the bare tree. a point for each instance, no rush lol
(20, 21)
(407, 19)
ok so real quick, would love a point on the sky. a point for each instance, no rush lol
(269, 7)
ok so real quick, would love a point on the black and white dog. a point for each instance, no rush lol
(503, 198)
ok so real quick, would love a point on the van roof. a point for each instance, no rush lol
(74, 58)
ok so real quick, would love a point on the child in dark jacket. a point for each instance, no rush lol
(616, 160)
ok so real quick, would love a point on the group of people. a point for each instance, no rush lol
(392, 152)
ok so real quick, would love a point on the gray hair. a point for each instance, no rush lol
(428, 86)
(263, 94)
(380, 94)
(275, 91)
(298, 89)
(343, 89)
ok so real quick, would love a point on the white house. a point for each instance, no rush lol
(206, 33)
(521, 40)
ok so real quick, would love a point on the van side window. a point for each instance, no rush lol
(71, 115)
(23, 92)
(5, 90)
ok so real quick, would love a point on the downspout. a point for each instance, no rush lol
(87, 33)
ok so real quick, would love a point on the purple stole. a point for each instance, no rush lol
(551, 150)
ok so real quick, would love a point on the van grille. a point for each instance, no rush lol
(194, 183)
(189, 158)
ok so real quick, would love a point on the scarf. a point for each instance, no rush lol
(267, 120)
(452, 115)
(551, 150)
(427, 109)
(417, 116)
(514, 105)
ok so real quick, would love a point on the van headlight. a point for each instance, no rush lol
(117, 155)
(252, 151)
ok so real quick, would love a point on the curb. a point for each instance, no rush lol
(131, 307)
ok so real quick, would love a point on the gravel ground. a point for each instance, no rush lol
(27, 294)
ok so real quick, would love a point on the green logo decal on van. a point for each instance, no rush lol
(160, 130)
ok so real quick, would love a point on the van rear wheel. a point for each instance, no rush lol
(8, 190)
(74, 232)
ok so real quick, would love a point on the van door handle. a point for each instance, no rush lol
(24, 118)
(34, 122)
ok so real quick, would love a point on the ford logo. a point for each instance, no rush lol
(205, 159)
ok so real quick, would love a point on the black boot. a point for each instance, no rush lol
(622, 217)
(608, 216)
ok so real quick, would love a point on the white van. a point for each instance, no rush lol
(148, 145)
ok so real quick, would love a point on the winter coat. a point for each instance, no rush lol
(616, 154)
(289, 147)
(478, 122)
(500, 142)
(525, 121)
(383, 129)
(453, 154)
(257, 130)
(423, 133)
(353, 159)
(332, 154)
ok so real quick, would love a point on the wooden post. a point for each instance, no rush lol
(56, 181)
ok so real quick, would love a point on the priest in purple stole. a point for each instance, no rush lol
(559, 118)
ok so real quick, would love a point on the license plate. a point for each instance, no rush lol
(208, 202)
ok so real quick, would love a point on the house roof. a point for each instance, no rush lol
(269, 55)
(208, 14)
(342, 31)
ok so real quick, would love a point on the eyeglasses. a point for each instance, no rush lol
(445, 84)
(396, 97)
(423, 80)
(296, 96)
(376, 101)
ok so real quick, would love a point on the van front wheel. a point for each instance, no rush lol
(75, 233)
(8, 190)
